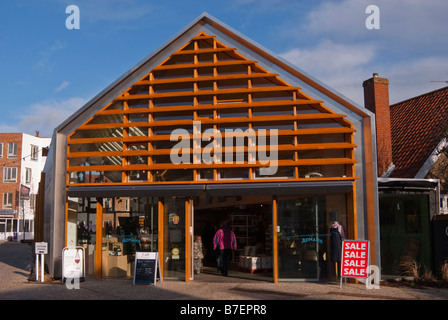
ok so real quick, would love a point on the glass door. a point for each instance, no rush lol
(130, 225)
(299, 240)
(85, 230)
(174, 247)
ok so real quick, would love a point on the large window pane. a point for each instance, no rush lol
(174, 238)
(304, 247)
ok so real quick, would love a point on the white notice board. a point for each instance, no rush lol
(41, 247)
(73, 263)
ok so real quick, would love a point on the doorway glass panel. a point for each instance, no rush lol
(250, 218)
(129, 224)
(81, 228)
(174, 238)
(300, 240)
(305, 251)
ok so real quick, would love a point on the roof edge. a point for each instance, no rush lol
(419, 96)
(432, 159)
(249, 43)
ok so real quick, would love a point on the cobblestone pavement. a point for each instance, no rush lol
(16, 260)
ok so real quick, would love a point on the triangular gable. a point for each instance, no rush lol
(207, 81)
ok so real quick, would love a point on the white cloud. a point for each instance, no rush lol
(408, 79)
(62, 86)
(337, 18)
(44, 116)
(403, 21)
(409, 49)
(8, 128)
(328, 57)
(342, 67)
(345, 67)
(45, 56)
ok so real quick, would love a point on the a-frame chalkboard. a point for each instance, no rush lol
(147, 268)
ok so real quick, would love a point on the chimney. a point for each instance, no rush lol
(376, 99)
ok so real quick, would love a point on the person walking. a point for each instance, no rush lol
(224, 242)
(198, 254)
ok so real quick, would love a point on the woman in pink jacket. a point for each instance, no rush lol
(224, 242)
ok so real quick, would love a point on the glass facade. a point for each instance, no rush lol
(405, 231)
(175, 243)
(129, 224)
(81, 228)
(304, 247)
(250, 218)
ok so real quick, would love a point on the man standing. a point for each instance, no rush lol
(224, 241)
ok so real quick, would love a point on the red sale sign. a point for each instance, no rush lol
(355, 258)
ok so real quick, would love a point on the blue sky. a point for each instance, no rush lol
(47, 72)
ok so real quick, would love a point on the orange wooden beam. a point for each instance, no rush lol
(220, 106)
(207, 92)
(280, 148)
(161, 236)
(206, 78)
(204, 50)
(273, 119)
(186, 166)
(203, 65)
(258, 180)
(275, 239)
(167, 137)
(99, 238)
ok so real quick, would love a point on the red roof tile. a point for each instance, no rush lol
(417, 126)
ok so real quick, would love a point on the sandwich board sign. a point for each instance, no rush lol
(146, 268)
(355, 263)
(355, 258)
(73, 263)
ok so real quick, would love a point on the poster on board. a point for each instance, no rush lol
(355, 258)
(73, 263)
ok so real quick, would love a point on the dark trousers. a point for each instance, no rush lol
(223, 260)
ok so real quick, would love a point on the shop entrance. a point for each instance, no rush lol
(305, 249)
(250, 218)
(301, 237)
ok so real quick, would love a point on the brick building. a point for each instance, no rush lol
(22, 158)
(412, 184)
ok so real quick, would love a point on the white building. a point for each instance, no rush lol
(22, 157)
